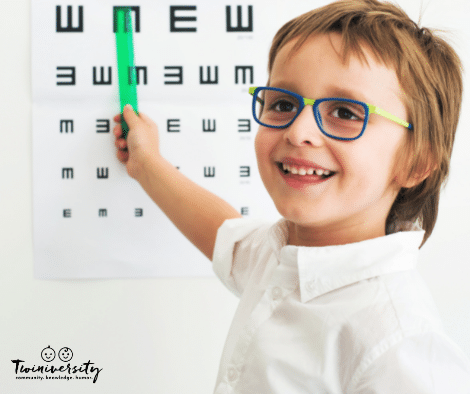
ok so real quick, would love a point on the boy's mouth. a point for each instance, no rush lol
(305, 171)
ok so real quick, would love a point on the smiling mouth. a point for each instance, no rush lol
(305, 172)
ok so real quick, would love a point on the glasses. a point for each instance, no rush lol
(338, 118)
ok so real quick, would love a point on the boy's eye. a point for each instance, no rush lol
(283, 106)
(345, 113)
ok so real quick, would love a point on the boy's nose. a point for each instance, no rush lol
(304, 130)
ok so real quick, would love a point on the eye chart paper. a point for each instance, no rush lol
(195, 63)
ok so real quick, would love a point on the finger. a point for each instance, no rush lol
(130, 116)
(117, 118)
(120, 144)
(123, 156)
(117, 131)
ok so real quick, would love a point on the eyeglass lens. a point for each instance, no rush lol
(336, 117)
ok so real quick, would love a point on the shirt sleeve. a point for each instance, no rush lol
(233, 259)
(428, 363)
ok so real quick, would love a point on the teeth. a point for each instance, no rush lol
(305, 171)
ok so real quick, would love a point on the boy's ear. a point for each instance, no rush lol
(415, 179)
(418, 176)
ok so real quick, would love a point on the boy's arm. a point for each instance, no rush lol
(195, 211)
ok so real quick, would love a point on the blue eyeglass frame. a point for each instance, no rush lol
(368, 109)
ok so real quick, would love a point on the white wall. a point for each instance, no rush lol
(166, 335)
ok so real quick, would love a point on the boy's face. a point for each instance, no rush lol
(353, 204)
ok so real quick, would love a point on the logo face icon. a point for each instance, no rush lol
(49, 371)
(65, 354)
(48, 354)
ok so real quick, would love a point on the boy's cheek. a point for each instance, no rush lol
(266, 141)
(262, 147)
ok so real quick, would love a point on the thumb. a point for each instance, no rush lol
(130, 116)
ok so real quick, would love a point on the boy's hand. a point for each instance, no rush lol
(141, 144)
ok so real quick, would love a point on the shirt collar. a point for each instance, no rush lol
(327, 268)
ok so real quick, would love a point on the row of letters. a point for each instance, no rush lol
(138, 212)
(69, 78)
(182, 21)
(172, 126)
(103, 172)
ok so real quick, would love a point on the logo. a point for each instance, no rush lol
(58, 370)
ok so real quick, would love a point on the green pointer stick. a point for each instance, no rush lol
(125, 61)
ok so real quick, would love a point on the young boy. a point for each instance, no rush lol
(330, 300)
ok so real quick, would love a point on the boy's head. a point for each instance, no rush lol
(428, 72)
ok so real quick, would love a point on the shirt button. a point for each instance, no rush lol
(310, 285)
(232, 374)
(276, 293)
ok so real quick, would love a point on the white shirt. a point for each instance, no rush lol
(346, 319)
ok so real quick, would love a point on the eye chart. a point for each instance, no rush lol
(195, 63)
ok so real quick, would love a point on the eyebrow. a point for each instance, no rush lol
(333, 91)
(346, 93)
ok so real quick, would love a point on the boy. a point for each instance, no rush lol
(330, 300)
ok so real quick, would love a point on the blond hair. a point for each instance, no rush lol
(430, 74)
